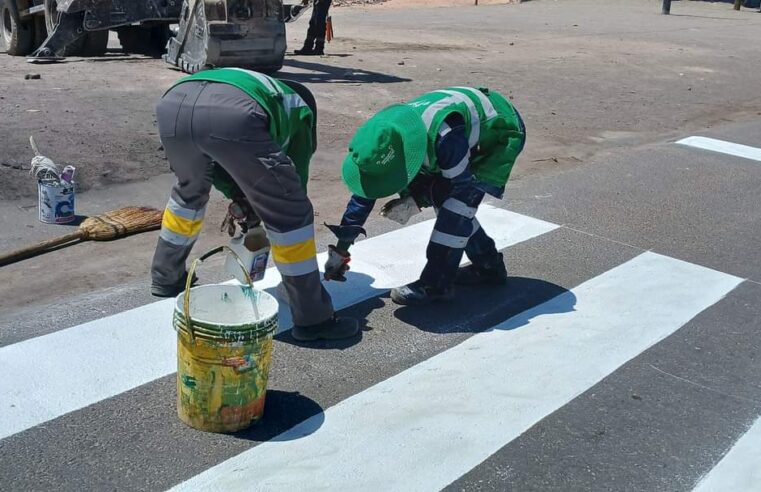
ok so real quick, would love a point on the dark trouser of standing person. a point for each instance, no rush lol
(314, 44)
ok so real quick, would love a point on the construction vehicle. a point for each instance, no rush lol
(241, 33)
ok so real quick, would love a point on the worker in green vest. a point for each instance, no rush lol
(446, 149)
(252, 137)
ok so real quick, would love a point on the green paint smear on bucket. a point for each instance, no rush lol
(189, 381)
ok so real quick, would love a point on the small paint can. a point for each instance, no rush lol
(56, 202)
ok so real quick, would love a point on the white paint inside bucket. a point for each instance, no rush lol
(228, 305)
(56, 203)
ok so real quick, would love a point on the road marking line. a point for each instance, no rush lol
(723, 147)
(427, 426)
(49, 376)
(740, 469)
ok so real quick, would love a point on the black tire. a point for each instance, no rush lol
(95, 43)
(17, 36)
(145, 40)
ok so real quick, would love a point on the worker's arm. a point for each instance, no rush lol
(357, 211)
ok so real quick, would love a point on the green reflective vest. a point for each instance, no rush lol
(495, 133)
(290, 119)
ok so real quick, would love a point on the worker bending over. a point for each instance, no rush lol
(445, 149)
(252, 137)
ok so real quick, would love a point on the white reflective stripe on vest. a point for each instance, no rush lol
(487, 106)
(291, 101)
(292, 237)
(434, 108)
(475, 120)
(458, 169)
(460, 208)
(267, 81)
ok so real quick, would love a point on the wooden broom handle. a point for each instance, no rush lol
(20, 254)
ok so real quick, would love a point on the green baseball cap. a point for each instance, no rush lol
(386, 153)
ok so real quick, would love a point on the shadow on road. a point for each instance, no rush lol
(285, 411)
(334, 74)
(477, 309)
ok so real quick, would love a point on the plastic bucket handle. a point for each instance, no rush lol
(189, 281)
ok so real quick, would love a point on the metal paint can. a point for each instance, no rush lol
(56, 202)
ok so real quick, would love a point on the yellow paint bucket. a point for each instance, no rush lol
(224, 347)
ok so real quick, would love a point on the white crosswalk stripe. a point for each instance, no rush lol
(740, 469)
(722, 147)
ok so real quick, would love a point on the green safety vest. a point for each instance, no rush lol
(495, 133)
(290, 119)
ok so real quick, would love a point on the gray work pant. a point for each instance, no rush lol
(201, 123)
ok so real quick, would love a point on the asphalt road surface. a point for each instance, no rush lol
(624, 353)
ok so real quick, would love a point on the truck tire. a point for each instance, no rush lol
(17, 36)
(95, 43)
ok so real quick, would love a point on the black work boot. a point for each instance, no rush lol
(319, 48)
(161, 290)
(492, 273)
(418, 294)
(335, 328)
(307, 49)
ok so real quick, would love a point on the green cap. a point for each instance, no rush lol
(386, 153)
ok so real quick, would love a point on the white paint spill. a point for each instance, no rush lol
(49, 376)
(740, 469)
(722, 147)
(425, 427)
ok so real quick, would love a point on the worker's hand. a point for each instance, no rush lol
(400, 209)
(337, 264)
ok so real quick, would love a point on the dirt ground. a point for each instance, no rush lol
(587, 79)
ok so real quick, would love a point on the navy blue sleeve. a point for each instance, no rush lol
(357, 211)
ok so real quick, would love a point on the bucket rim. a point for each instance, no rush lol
(260, 325)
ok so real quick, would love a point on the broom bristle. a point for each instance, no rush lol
(120, 223)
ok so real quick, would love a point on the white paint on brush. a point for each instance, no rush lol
(427, 426)
(740, 469)
(722, 147)
(46, 377)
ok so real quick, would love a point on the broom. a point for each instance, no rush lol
(111, 225)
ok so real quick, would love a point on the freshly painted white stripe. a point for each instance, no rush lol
(427, 426)
(723, 147)
(49, 376)
(740, 469)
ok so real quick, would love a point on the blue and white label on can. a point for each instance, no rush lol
(56, 202)
(259, 266)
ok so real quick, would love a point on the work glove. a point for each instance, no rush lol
(337, 264)
(400, 209)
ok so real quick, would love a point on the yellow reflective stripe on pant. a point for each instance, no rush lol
(181, 225)
(294, 252)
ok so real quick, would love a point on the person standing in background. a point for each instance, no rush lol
(314, 44)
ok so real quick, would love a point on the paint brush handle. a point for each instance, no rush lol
(39, 248)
